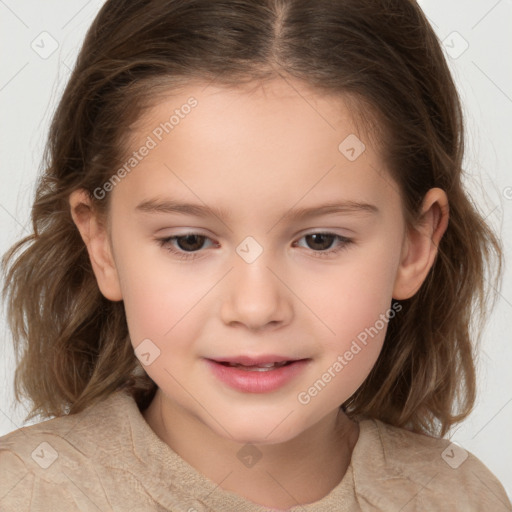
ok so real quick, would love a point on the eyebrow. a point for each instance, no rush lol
(199, 210)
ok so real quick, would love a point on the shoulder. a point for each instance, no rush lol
(398, 468)
(48, 463)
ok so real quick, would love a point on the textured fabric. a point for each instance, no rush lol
(107, 458)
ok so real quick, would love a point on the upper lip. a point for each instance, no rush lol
(254, 360)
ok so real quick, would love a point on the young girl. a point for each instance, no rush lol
(254, 270)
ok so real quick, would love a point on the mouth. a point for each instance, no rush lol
(256, 374)
(265, 362)
(261, 367)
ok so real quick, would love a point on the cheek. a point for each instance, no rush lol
(356, 314)
(161, 310)
(158, 298)
(355, 295)
(354, 303)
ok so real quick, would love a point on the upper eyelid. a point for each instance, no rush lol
(306, 233)
(303, 232)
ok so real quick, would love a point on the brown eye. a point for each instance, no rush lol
(320, 241)
(186, 247)
(324, 245)
(190, 242)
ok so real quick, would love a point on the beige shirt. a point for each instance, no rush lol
(107, 458)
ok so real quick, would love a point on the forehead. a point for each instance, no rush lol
(262, 107)
(276, 140)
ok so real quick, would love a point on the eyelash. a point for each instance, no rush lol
(191, 255)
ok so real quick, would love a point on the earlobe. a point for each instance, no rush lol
(421, 243)
(95, 236)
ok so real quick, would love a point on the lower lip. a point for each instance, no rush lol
(256, 381)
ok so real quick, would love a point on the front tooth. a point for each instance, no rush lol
(256, 368)
(264, 367)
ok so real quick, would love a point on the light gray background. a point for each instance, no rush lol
(478, 42)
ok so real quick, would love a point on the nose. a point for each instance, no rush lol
(255, 297)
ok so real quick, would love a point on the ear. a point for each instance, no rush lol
(95, 236)
(421, 243)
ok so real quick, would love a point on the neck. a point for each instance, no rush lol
(299, 471)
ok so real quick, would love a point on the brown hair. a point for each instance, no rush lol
(72, 344)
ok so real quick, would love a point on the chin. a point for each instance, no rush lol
(249, 430)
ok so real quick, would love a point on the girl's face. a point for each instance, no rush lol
(290, 249)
